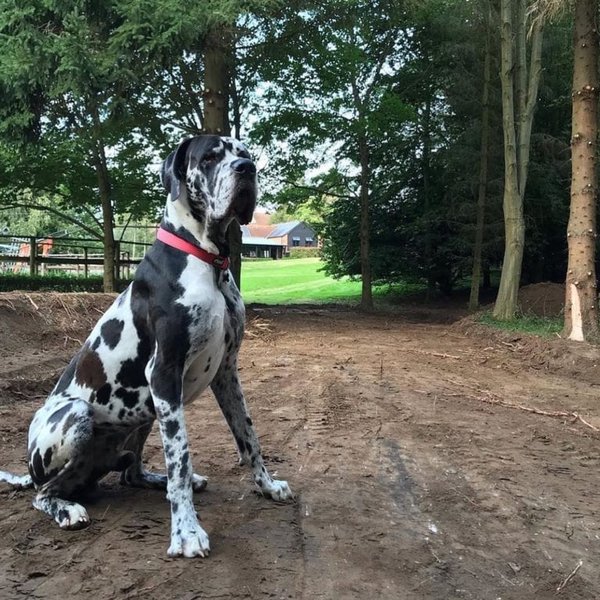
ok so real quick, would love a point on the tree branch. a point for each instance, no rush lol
(311, 188)
(54, 211)
(92, 215)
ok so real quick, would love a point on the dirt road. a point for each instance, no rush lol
(413, 480)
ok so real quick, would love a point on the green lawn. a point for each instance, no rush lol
(295, 281)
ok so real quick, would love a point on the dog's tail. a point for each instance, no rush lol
(19, 482)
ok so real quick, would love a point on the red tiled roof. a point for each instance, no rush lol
(260, 230)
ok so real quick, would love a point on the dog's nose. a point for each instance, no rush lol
(244, 166)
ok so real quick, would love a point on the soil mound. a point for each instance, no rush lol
(542, 299)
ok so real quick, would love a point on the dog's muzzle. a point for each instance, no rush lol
(244, 201)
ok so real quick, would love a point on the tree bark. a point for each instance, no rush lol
(110, 275)
(581, 313)
(104, 188)
(517, 135)
(218, 55)
(425, 165)
(483, 168)
(366, 298)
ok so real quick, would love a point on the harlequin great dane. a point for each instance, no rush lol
(176, 330)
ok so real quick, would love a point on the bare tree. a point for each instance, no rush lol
(483, 165)
(581, 312)
(520, 82)
(218, 54)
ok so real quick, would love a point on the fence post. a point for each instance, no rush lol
(85, 262)
(32, 257)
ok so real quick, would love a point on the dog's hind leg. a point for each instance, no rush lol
(136, 476)
(61, 460)
(68, 514)
(228, 392)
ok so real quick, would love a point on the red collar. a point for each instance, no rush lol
(170, 239)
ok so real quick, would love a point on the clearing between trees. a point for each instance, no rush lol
(431, 458)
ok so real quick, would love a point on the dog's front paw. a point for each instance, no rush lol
(277, 490)
(190, 542)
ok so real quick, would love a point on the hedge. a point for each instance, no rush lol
(56, 283)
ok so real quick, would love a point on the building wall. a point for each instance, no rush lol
(259, 251)
(301, 231)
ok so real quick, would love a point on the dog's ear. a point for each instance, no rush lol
(173, 170)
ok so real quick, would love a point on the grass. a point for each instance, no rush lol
(542, 326)
(263, 281)
(301, 281)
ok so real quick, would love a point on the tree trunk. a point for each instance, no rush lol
(110, 283)
(218, 54)
(581, 313)
(516, 159)
(366, 298)
(427, 196)
(104, 188)
(483, 168)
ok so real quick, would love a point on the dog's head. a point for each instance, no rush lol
(213, 178)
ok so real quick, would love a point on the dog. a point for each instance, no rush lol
(173, 332)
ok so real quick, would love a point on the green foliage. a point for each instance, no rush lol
(424, 130)
(54, 283)
(305, 253)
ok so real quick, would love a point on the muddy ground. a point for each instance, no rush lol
(414, 480)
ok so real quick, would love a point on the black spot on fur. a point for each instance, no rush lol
(36, 468)
(174, 506)
(249, 421)
(96, 343)
(69, 422)
(121, 414)
(132, 370)
(57, 415)
(171, 428)
(47, 457)
(130, 399)
(63, 514)
(150, 405)
(183, 472)
(248, 448)
(103, 394)
(111, 332)
(240, 444)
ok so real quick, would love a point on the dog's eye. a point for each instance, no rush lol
(210, 158)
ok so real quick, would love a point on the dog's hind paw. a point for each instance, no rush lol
(73, 516)
(277, 490)
(199, 482)
(190, 544)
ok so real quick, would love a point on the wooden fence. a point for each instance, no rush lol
(39, 255)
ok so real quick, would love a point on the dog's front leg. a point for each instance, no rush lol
(228, 392)
(187, 536)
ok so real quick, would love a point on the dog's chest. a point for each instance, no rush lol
(206, 312)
